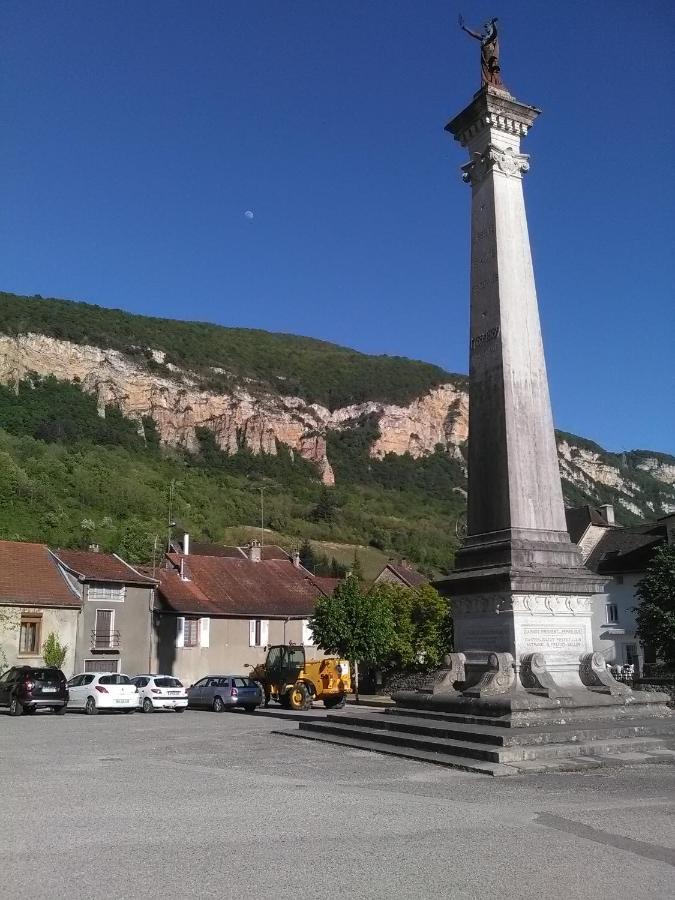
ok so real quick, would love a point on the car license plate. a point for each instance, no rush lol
(123, 700)
(173, 693)
(48, 690)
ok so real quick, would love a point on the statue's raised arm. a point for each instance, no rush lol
(474, 34)
(489, 52)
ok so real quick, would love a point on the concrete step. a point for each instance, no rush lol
(476, 750)
(501, 737)
(453, 762)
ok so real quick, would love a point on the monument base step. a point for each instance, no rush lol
(493, 748)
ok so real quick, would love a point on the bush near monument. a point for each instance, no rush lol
(422, 625)
(656, 613)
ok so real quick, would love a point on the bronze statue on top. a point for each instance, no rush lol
(489, 52)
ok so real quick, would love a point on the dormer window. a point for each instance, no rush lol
(103, 592)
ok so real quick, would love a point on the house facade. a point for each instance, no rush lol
(36, 600)
(620, 554)
(115, 625)
(218, 614)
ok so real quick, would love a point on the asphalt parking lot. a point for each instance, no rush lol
(206, 805)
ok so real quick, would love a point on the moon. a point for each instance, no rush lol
(248, 214)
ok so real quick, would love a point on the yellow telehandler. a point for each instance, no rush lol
(291, 680)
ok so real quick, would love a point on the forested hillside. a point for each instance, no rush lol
(220, 412)
(317, 371)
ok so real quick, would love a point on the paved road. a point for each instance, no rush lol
(205, 805)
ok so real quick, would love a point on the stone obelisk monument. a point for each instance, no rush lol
(521, 597)
(519, 586)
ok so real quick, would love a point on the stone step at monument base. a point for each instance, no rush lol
(452, 728)
(492, 749)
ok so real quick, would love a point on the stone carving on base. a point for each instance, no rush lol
(443, 679)
(594, 674)
(500, 678)
(534, 674)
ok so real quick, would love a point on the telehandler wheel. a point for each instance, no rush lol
(335, 702)
(298, 697)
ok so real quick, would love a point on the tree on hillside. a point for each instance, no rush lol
(326, 509)
(656, 613)
(357, 568)
(307, 556)
(353, 625)
(422, 624)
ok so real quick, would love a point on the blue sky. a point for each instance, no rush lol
(135, 136)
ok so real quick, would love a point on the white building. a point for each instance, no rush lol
(622, 555)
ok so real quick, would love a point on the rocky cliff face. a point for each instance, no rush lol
(258, 419)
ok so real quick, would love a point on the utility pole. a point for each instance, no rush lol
(262, 519)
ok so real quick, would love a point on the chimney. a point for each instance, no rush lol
(607, 509)
(186, 544)
(255, 551)
(296, 558)
(93, 548)
(184, 575)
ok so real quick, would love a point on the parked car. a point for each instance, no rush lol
(29, 688)
(219, 692)
(160, 692)
(92, 691)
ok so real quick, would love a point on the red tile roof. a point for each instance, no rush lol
(269, 551)
(30, 576)
(238, 587)
(100, 567)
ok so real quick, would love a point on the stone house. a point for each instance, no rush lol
(621, 555)
(401, 573)
(114, 630)
(215, 613)
(35, 600)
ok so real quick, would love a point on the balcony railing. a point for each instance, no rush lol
(105, 640)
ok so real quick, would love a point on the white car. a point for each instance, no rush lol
(160, 692)
(92, 691)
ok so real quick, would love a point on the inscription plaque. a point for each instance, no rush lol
(560, 637)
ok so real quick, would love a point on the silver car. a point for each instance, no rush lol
(219, 692)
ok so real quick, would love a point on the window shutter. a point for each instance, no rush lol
(264, 632)
(251, 632)
(307, 634)
(204, 632)
(180, 631)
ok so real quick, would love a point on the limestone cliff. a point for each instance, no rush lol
(251, 416)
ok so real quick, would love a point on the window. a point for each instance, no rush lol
(103, 630)
(612, 613)
(239, 682)
(101, 665)
(166, 682)
(29, 635)
(258, 632)
(76, 681)
(106, 593)
(113, 679)
(191, 632)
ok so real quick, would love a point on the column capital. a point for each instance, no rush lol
(494, 158)
(495, 110)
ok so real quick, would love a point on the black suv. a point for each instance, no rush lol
(27, 688)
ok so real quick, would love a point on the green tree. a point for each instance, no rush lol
(656, 613)
(53, 652)
(327, 508)
(307, 556)
(357, 568)
(353, 625)
(422, 624)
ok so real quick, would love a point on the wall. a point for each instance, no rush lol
(132, 620)
(228, 647)
(611, 639)
(63, 622)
